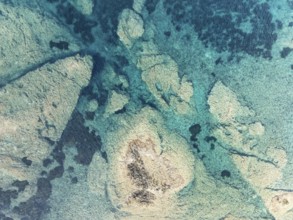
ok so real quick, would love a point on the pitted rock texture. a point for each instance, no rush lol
(34, 112)
(25, 43)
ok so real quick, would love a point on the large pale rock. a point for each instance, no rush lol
(227, 111)
(259, 160)
(160, 73)
(147, 166)
(34, 111)
(224, 104)
(25, 40)
(151, 173)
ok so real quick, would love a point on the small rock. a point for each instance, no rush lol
(130, 27)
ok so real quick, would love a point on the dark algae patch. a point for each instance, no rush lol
(26, 161)
(20, 185)
(61, 45)
(151, 5)
(225, 173)
(5, 198)
(286, 51)
(86, 143)
(194, 130)
(222, 24)
(36, 206)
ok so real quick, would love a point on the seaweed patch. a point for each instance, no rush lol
(237, 27)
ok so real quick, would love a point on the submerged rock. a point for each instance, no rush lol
(26, 40)
(148, 166)
(34, 112)
(260, 161)
(130, 27)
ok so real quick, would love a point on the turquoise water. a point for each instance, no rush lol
(146, 109)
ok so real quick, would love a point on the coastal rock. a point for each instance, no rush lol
(34, 112)
(30, 38)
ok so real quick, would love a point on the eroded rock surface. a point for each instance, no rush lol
(260, 160)
(186, 115)
(147, 166)
(25, 44)
(130, 27)
(34, 112)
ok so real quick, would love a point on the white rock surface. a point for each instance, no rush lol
(130, 27)
(115, 102)
(34, 111)
(265, 159)
(25, 40)
(146, 168)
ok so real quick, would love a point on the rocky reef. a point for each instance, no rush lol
(146, 109)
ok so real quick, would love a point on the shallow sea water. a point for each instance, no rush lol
(146, 109)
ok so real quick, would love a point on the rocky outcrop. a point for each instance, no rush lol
(34, 111)
(28, 43)
(148, 166)
(260, 161)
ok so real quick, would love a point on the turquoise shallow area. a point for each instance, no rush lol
(212, 77)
